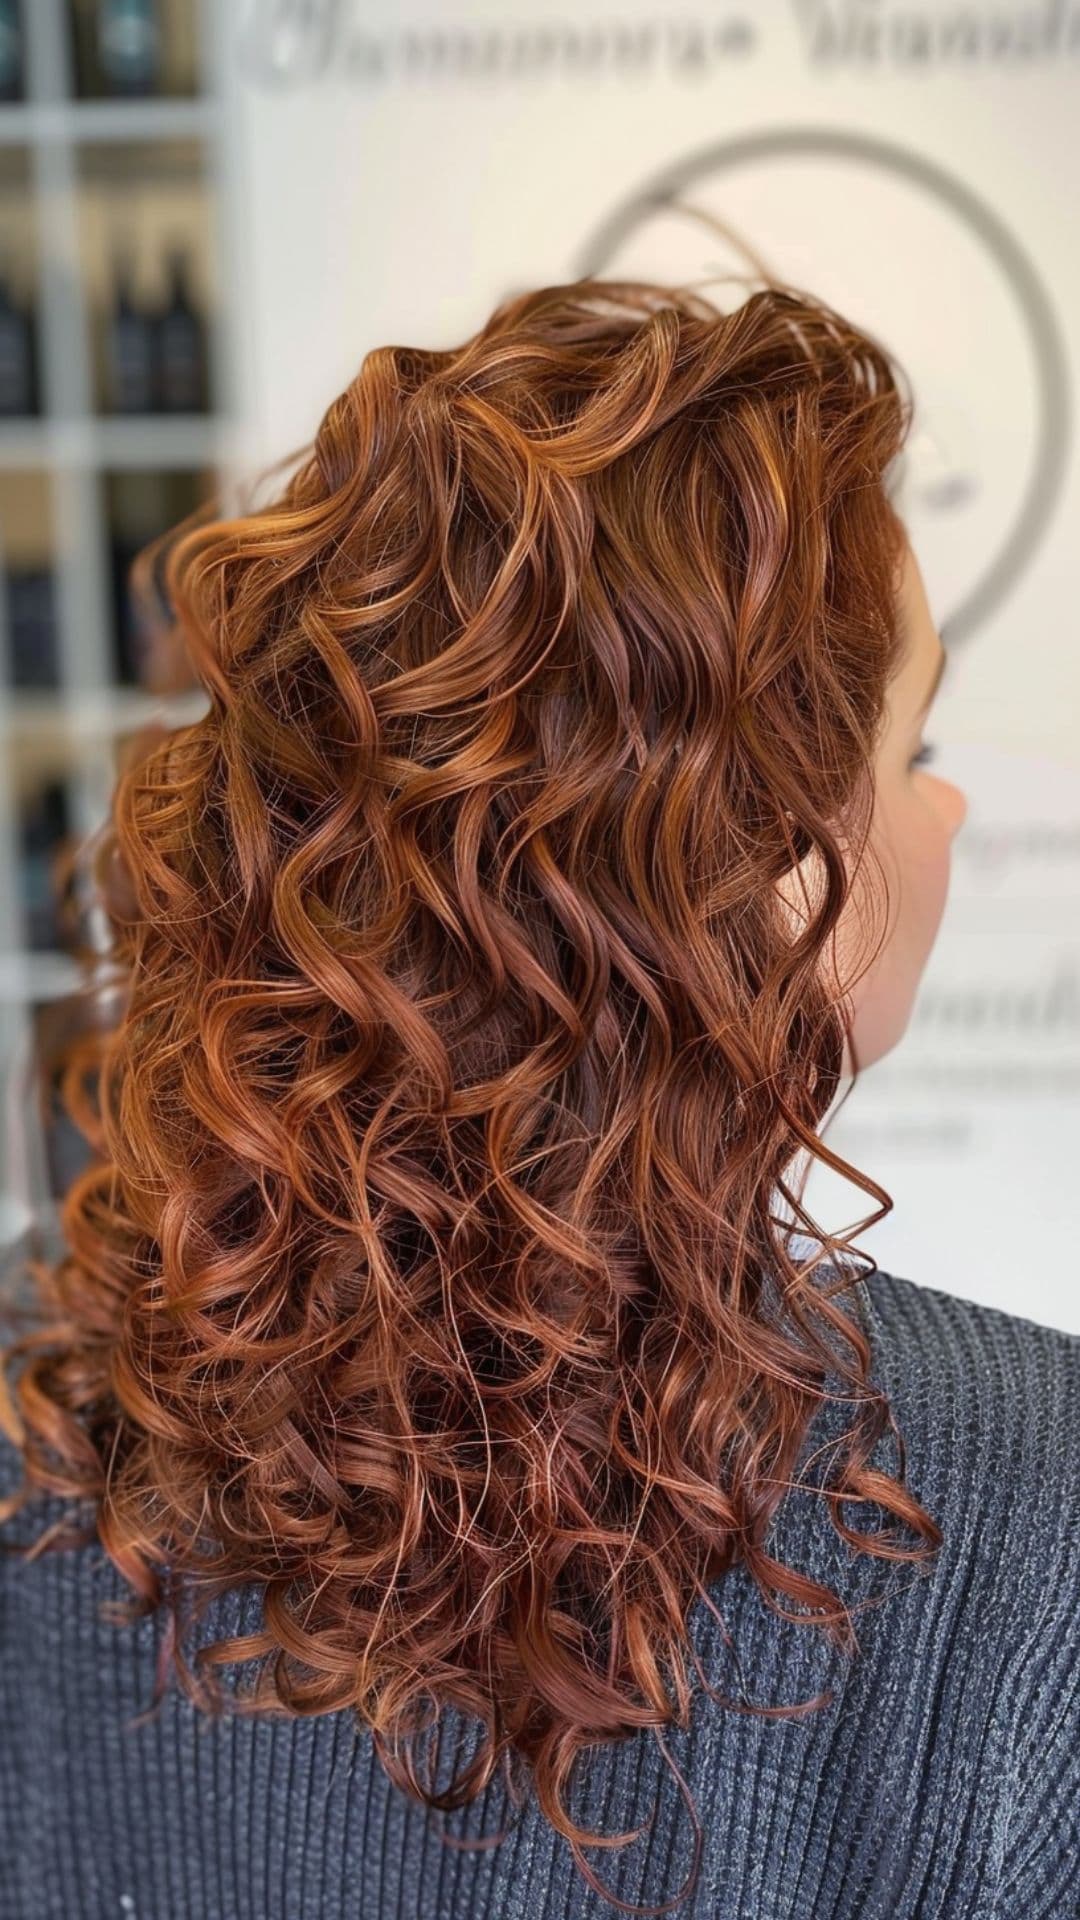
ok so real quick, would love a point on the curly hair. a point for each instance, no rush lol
(432, 1269)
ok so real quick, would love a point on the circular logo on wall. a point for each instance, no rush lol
(911, 253)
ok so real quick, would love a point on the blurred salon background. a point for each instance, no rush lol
(211, 209)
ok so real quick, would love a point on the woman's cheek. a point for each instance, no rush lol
(921, 881)
(894, 909)
(927, 867)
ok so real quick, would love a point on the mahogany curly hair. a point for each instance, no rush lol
(429, 1270)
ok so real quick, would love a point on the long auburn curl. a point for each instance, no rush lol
(429, 1270)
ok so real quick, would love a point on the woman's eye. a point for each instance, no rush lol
(926, 752)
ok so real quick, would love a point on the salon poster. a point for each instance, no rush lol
(393, 167)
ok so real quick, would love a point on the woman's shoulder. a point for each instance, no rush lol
(999, 1367)
(983, 1428)
(976, 1386)
(987, 1403)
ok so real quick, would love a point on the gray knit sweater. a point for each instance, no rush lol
(943, 1782)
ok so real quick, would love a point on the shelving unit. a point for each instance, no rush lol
(68, 734)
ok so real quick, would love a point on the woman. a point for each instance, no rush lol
(433, 1345)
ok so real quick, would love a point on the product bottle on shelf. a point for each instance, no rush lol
(148, 649)
(33, 640)
(12, 79)
(181, 343)
(18, 383)
(126, 661)
(130, 381)
(43, 824)
(128, 46)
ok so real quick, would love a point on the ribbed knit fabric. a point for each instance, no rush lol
(942, 1782)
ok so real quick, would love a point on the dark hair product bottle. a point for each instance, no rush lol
(181, 342)
(129, 345)
(44, 821)
(12, 77)
(17, 363)
(33, 639)
(129, 47)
